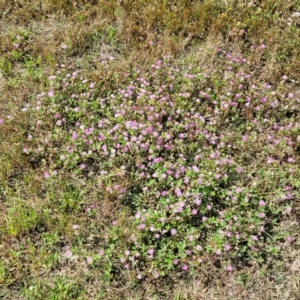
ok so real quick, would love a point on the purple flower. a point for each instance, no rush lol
(188, 252)
(229, 268)
(141, 226)
(261, 203)
(197, 202)
(195, 169)
(185, 267)
(74, 135)
(227, 247)
(173, 231)
(68, 253)
(178, 192)
(175, 262)
(155, 274)
(289, 239)
(89, 260)
(238, 170)
(198, 248)
(151, 251)
(238, 190)
(218, 252)
(180, 206)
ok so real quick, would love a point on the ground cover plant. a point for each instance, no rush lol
(145, 151)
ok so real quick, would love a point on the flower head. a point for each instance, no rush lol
(89, 260)
(229, 268)
(185, 267)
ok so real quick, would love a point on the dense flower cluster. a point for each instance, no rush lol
(196, 154)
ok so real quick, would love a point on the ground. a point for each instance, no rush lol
(149, 149)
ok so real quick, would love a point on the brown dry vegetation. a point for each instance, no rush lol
(95, 30)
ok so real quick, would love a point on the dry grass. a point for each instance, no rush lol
(34, 223)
